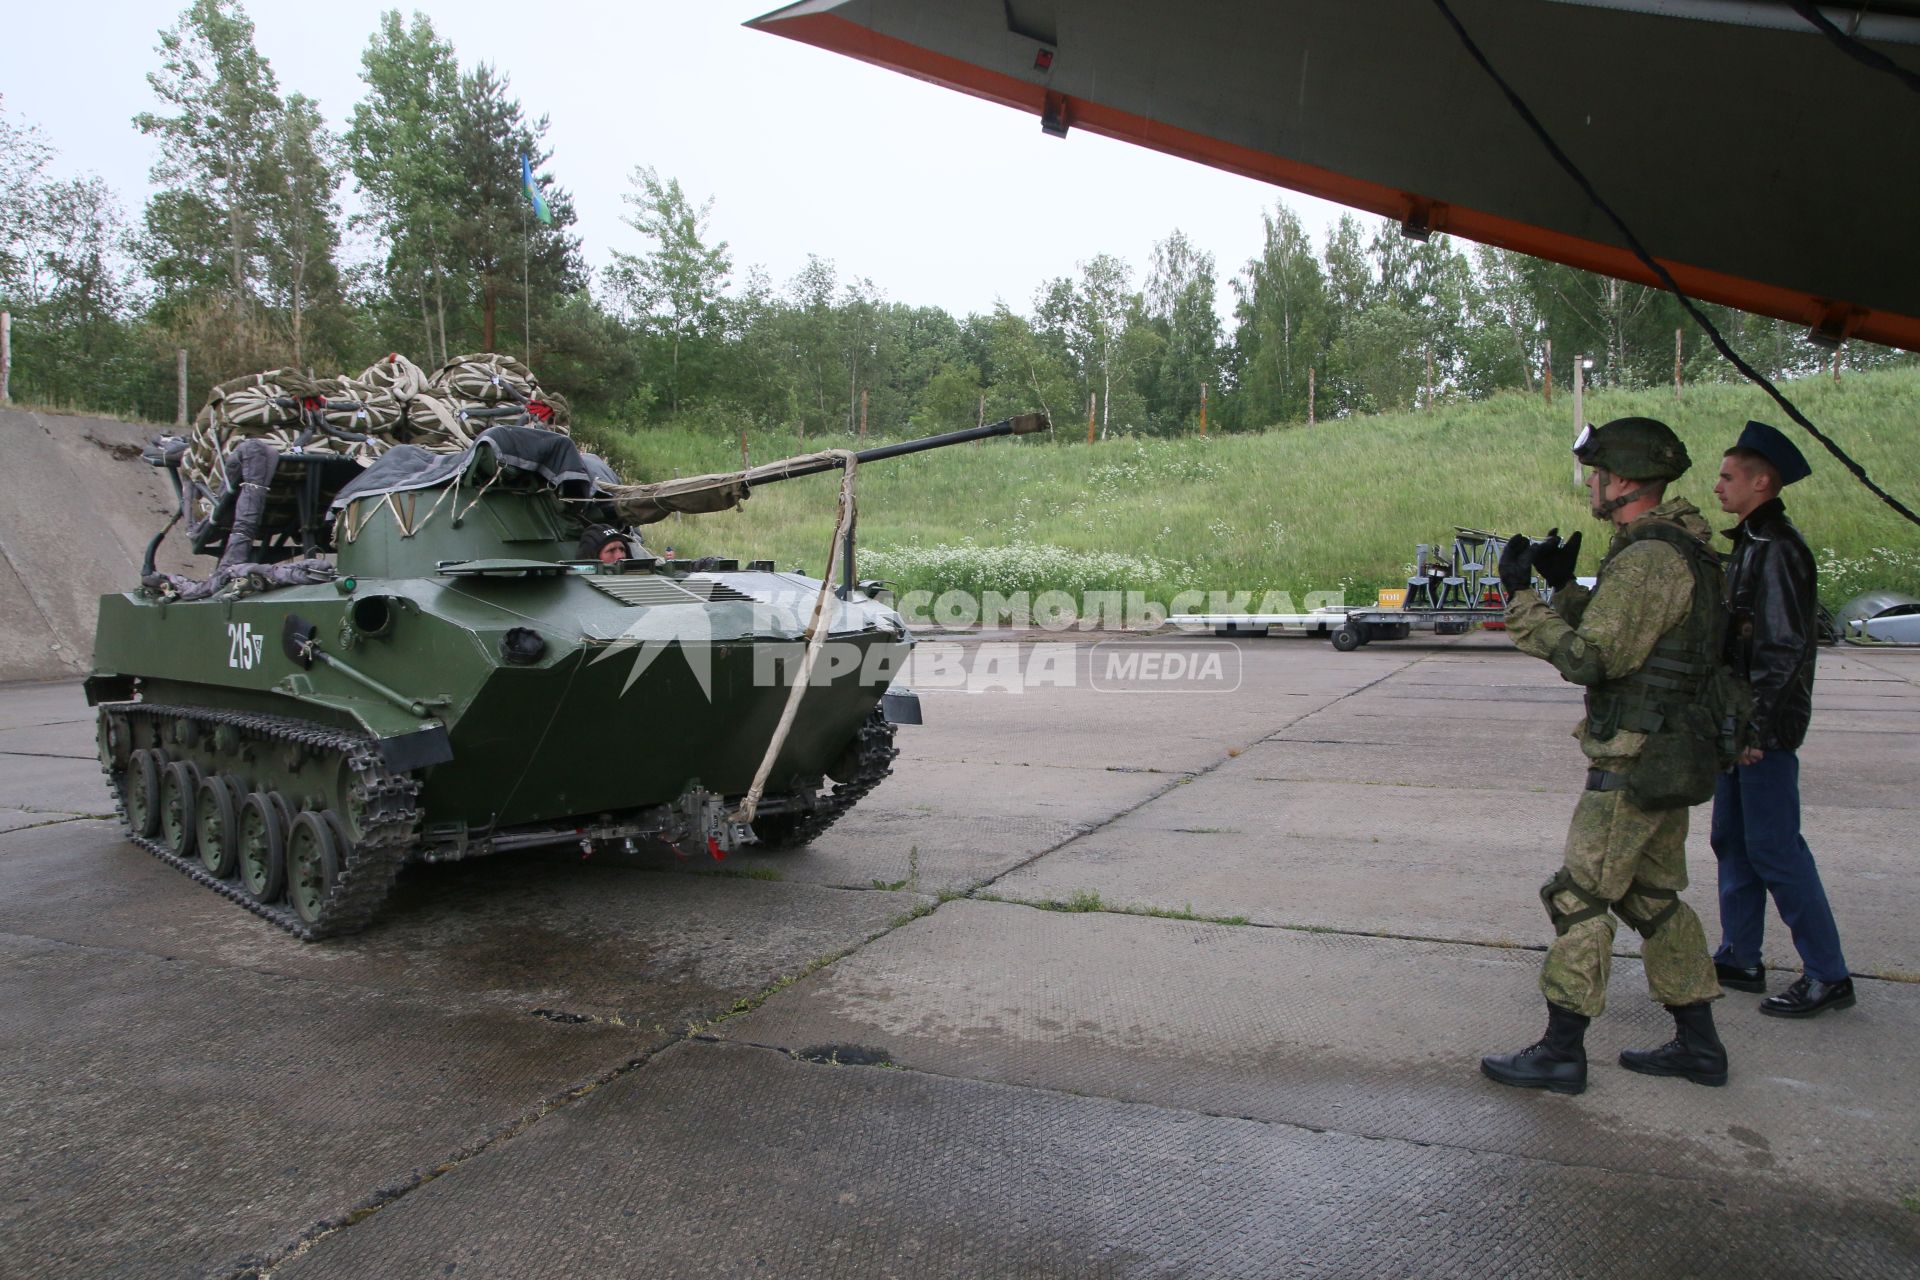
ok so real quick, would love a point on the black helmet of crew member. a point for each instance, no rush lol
(597, 538)
(1633, 449)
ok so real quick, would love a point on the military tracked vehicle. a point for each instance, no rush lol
(414, 661)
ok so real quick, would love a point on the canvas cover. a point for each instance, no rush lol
(698, 495)
(405, 468)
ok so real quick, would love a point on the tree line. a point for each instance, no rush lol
(238, 258)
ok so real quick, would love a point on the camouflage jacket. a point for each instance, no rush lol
(1644, 591)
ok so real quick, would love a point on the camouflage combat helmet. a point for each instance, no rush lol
(1634, 449)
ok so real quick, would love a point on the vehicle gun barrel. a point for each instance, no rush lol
(698, 495)
(1024, 424)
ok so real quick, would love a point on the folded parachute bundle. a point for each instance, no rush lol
(427, 418)
(491, 388)
(359, 418)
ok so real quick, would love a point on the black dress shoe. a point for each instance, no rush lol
(1808, 996)
(1741, 978)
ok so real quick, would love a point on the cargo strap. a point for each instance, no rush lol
(1605, 780)
(1563, 882)
(1647, 926)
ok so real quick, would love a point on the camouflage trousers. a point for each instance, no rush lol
(1622, 860)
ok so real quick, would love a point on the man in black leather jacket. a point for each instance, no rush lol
(1756, 808)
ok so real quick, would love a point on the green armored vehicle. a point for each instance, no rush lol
(465, 676)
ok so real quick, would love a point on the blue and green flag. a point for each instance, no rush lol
(540, 209)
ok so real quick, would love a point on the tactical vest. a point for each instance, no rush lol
(1676, 672)
(1684, 698)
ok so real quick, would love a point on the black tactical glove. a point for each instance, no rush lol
(1516, 565)
(1556, 559)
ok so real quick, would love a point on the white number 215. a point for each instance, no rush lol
(243, 646)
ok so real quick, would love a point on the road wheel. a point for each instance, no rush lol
(113, 737)
(261, 850)
(214, 830)
(179, 785)
(1347, 638)
(143, 792)
(313, 863)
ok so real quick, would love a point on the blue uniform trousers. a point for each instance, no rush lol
(1756, 837)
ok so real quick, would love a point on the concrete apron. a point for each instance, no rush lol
(1369, 1036)
(478, 1083)
(192, 1092)
(724, 1160)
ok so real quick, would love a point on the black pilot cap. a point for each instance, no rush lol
(596, 537)
(1770, 444)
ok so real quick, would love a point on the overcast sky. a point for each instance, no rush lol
(936, 197)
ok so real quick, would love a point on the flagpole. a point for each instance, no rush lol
(526, 252)
(526, 293)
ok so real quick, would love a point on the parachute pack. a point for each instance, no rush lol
(352, 419)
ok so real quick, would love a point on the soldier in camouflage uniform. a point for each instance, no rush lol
(1637, 641)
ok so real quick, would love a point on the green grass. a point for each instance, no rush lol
(1336, 507)
(1086, 900)
(123, 413)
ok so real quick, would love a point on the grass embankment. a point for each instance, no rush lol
(1338, 506)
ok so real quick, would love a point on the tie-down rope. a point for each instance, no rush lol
(816, 636)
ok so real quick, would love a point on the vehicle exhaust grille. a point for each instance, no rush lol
(711, 589)
(651, 589)
(644, 589)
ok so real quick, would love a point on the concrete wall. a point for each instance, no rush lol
(77, 507)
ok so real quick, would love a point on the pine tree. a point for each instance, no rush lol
(500, 250)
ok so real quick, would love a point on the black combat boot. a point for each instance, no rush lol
(1558, 1062)
(1695, 1052)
